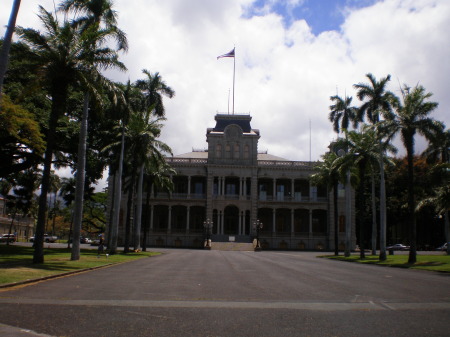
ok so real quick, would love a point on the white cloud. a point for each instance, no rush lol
(284, 75)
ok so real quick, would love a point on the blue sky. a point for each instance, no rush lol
(287, 65)
(321, 15)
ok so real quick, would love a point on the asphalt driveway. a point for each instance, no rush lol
(217, 293)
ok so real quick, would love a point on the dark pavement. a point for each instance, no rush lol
(216, 293)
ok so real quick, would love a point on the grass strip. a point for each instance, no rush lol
(16, 262)
(439, 263)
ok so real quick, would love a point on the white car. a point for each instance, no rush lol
(398, 246)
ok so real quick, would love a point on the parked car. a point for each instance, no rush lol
(397, 246)
(82, 240)
(47, 238)
(85, 240)
(7, 238)
(443, 247)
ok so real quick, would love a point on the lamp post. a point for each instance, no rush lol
(207, 225)
(257, 225)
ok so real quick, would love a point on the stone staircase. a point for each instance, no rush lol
(232, 246)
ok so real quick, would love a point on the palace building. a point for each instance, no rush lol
(230, 187)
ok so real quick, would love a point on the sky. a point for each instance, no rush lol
(291, 56)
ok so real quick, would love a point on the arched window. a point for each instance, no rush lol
(246, 151)
(227, 151)
(219, 151)
(236, 151)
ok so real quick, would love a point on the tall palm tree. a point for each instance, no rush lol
(153, 89)
(363, 151)
(438, 152)
(159, 176)
(341, 114)
(412, 117)
(124, 108)
(4, 52)
(90, 15)
(378, 102)
(328, 175)
(150, 154)
(63, 56)
(93, 12)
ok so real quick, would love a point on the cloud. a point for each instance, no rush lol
(284, 75)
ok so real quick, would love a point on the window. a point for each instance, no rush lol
(228, 151)
(246, 151)
(219, 151)
(236, 151)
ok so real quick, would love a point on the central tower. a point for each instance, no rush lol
(232, 141)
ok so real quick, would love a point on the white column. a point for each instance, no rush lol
(310, 223)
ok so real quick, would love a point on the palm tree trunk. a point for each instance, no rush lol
(4, 53)
(447, 230)
(81, 167)
(110, 211)
(117, 197)
(59, 94)
(336, 219)
(362, 207)
(411, 204)
(374, 217)
(382, 210)
(147, 221)
(137, 222)
(130, 208)
(348, 215)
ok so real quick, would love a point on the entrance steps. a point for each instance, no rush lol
(232, 246)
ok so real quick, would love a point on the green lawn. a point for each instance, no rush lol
(440, 263)
(16, 262)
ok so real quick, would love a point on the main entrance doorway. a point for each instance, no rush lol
(231, 220)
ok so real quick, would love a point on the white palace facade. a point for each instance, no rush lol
(232, 185)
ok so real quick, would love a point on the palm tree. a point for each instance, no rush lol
(153, 89)
(439, 148)
(377, 102)
(93, 12)
(4, 53)
(438, 152)
(410, 118)
(63, 56)
(363, 151)
(90, 15)
(341, 114)
(158, 176)
(124, 108)
(328, 175)
(150, 154)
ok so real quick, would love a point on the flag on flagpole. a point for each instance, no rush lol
(229, 54)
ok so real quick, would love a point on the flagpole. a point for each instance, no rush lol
(228, 100)
(234, 72)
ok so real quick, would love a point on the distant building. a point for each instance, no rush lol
(233, 185)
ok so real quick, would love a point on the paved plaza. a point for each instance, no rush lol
(221, 293)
